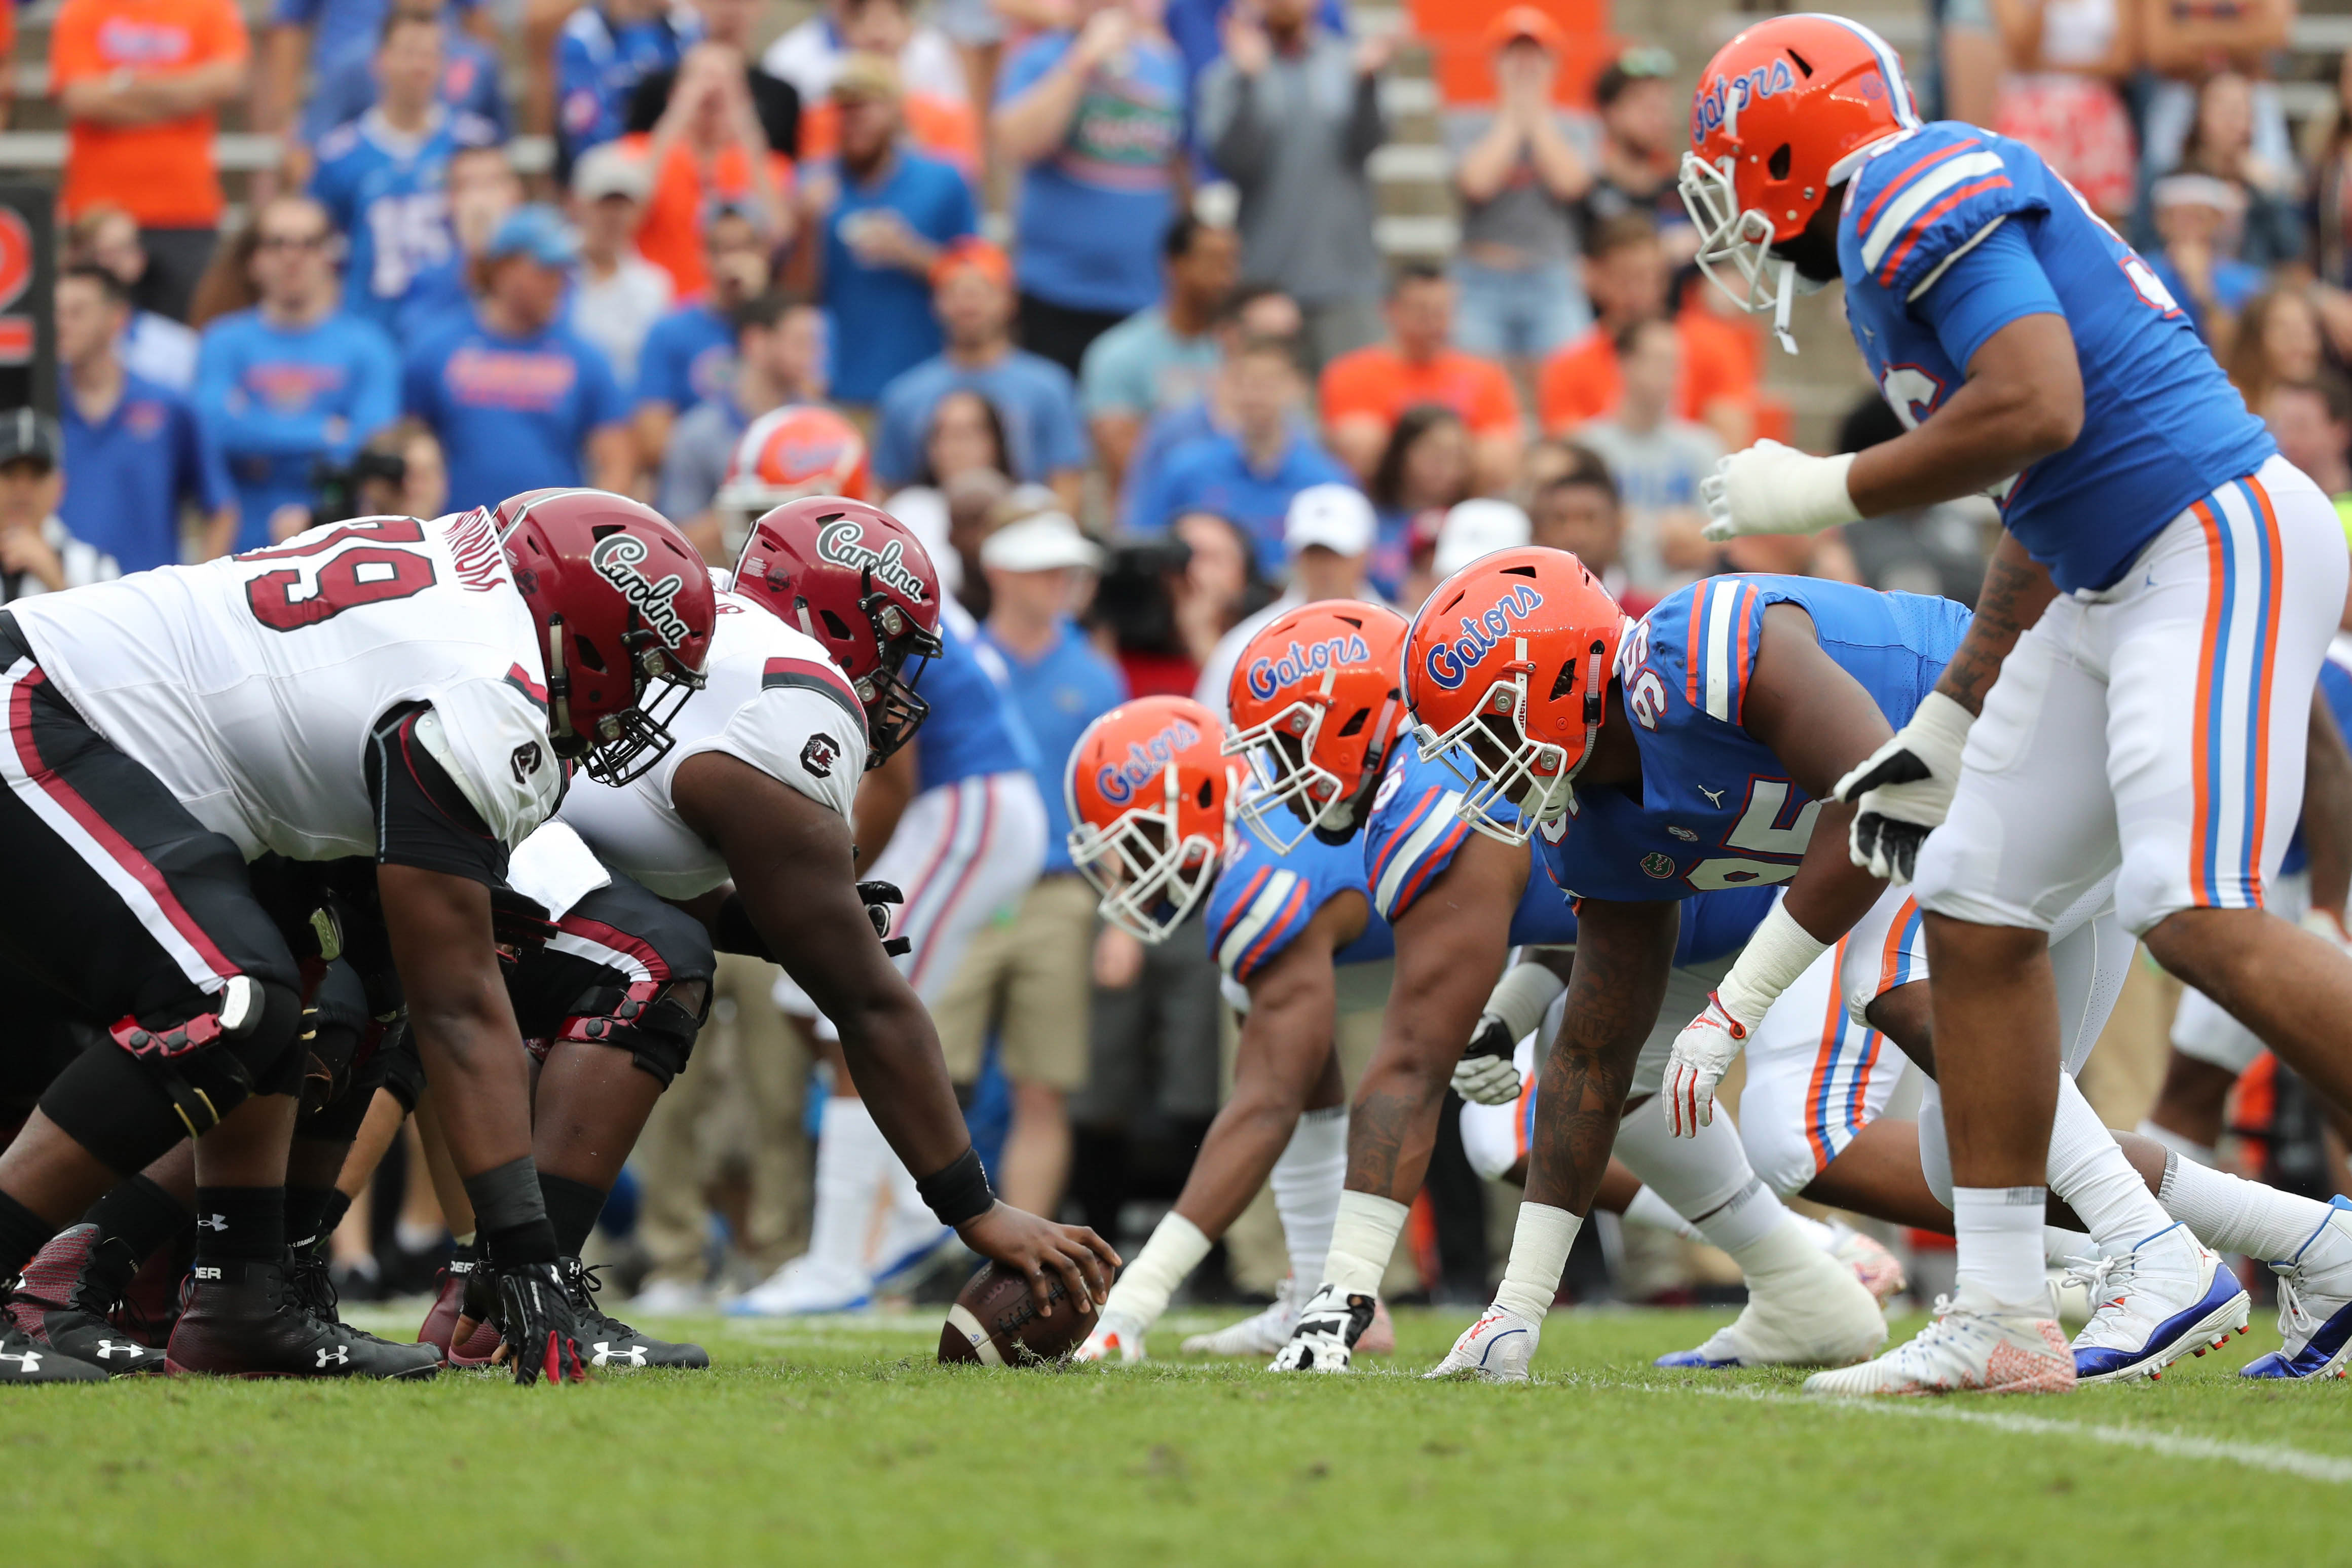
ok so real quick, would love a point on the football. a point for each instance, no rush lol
(994, 1322)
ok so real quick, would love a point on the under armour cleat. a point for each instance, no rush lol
(1325, 1334)
(1495, 1349)
(1117, 1337)
(1967, 1348)
(2167, 1297)
(458, 1324)
(1880, 1271)
(65, 1297)
(804, 1288)
(609, 1343)
(1263, 1332)
(24, 1360)
(310, 1282)
(1816, 1312)
(240, 1318)
(2315, 1291)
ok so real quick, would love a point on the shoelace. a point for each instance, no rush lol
(2097, 1275)
(2297, 1322)
(581, 1282)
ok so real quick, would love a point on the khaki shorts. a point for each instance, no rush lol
(1031, 974)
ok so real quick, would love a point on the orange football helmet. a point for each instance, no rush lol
(1506, 670)
(1151, 800)
(1782, 112)
(1316, 707)
(800, 449)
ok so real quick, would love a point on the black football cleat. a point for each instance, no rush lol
(462, 1293)
(310, 1281)
(242, 1318)
(24, 1360)
(67, 1296)
(610, 1344)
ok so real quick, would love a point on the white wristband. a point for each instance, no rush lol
(1520, 997)
(1939, 731)
(1780, 950)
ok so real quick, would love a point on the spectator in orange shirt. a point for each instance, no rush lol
(708, 149)
(1362, 393)
(1626, 272)
(141, 82)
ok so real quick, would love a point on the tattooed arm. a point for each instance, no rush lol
(2017, 589)
(1622, 954)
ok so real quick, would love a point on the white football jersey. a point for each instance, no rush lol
(771, 697)
(249, 685)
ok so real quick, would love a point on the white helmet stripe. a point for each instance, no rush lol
(1890, 64)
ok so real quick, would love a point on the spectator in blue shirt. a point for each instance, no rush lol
(886, 211)
(1030, 977)
(1165, 355)
(1248, 474)
(1036, 397)
(515, 397)
(688, 357)
(293, 384)
(467, 83)
(1253, 310)
(1096, 119)
(318, 38)
(387, 178)
(134, 449)
(604, 51)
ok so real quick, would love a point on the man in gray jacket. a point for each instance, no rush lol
(1291, 115)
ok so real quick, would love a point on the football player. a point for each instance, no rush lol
(2145, 512)
(391, 688)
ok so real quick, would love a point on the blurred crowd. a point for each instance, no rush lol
(1100, 284)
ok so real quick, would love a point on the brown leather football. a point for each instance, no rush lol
(994, 1322)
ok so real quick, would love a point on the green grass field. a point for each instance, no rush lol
(843, 1442)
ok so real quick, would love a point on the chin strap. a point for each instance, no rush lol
(1780, 307)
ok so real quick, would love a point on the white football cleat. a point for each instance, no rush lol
(1328, 1327)
(1495, 1349)
(1880, 1271)
(1817, 1313)
(2167, 1297)
(802, 1288)
(1967, 1348)
(668, 1298)
(2315, 1291)
(1262, 1332)
(1117, 1337)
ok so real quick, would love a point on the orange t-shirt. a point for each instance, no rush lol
(1377, 381)
(671, 234)
(1579, 382)
(162, 174)
(938, 127)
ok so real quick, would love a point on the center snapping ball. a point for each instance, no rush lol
(994, 1322)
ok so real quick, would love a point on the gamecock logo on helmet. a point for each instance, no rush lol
(616, 558)
(843, 544)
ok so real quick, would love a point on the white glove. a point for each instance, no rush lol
(1903, 790)
(1702, 1053)
(1485, 1075)
(1772, 489)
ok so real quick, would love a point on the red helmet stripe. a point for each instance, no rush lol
(1877, 203)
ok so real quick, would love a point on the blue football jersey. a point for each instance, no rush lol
(1262, 901)
(973, 728)
(1716, 809)
(1950, 233)
(389, 193)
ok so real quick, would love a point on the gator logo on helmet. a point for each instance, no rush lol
(843, 542)
(1450, 663)
(1269, 676)
(617, 559)
(1730, 95)
(1118, 781)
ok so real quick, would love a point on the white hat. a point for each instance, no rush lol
(611, 170)
(1047, 542)
(1335, 517)
(1475, 528)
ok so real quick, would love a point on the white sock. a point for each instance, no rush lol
(2061, 1247)
(1751, 1216)
(2179, 1143)
(1362, 1238)
(1307, 1183)
(1539, 1252)
(1782, 1247)
(853, 1174)
(413, 1236)
(1998, 1230)
(2230, 1213)
(1650, 1210)
(1175, 1249)
(2091, 1176)
(1695, 1177)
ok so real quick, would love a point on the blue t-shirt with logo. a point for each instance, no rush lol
(1091, 214)
(881, 316)
(512, 414)
(277, 404)
(1059, 693)
(598, 64)
(127, 475)
(389, 194)
(688, 357)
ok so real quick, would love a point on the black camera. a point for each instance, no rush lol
(339, 488)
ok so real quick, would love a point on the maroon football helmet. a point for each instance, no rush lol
(625, 610)
(859, 580)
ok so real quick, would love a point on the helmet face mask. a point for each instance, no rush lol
(1149, 798)
(1511, 785)
(1315, 709)
(1150, 877)
(894, 709)
(1735, 245)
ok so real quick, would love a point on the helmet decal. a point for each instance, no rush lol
(1144, 762)
(1450, 663)
(1721, 101)
(1269, 674)
(616, 558)
(843, 542)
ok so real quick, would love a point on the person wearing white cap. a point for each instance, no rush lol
(1329, 532)
(1478, 527)
(1027, 976)
(617, 294)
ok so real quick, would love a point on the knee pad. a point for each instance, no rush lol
(658, 1031)
(157, 1081)
(403, 1069)
(335, 1026)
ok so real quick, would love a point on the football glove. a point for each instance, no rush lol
(879, 898)
(1772, 489)
(1702, 1053)
(536, 1322)
(1485, 1075)
(1903, 790)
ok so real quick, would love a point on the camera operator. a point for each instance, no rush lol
(398, 473)
(37, 555)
